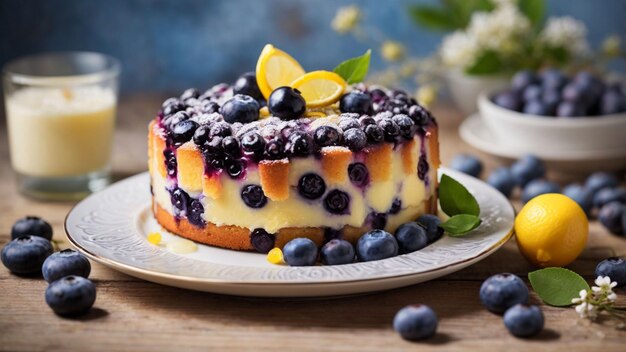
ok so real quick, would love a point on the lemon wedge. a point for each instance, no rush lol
(276, 68)
(320, 88)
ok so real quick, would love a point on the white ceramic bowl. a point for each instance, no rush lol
(533, 133)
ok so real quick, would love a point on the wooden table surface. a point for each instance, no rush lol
(131, 314)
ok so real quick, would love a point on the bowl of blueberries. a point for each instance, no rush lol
(549, 109)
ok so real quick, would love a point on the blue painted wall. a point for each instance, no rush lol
(171, 45)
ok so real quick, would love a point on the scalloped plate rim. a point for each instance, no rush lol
(293, 288)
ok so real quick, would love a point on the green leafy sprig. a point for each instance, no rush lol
(458, 203)
(355, 69)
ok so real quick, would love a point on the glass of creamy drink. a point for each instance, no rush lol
(60, 110)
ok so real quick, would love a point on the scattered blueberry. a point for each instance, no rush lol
(64, 263)
(183, 131)
(599, 180)
(240, 108)
(356, 102)
(246, 84)
(431, 224)
(311, 186)
(538, 187)
(411, 237)
(615, 268)
(325, 136)
(376, 245)
(508, 100)
(527, 169)
(355, 139)
(26, 254)
(580, 195)
(253, 196)
(467, 164)
(286, 103)
(502, 291)
(71, 295)
(33, 226)
(611, 215)
(524, 320)
(300, 252)
(337, 202)
(262, 241)
(415, 322)
(502, 180)
(607, 195)
(337, 252)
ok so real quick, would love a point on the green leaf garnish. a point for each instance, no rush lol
(557, 286)
(460, 224)
(354, 70)
(455, 199)
(487, 63)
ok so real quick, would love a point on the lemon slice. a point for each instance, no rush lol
(320, 88)
(276, 68)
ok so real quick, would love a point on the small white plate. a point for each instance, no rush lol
(476, 133)
(111, 227)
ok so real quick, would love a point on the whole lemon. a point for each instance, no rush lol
(551, 230)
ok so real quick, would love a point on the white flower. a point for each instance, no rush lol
(612, 297)
(459, 49)
(582, 298)
(568, 33)
(501, 29)
(605, 283)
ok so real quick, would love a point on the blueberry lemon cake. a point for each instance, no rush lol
(283, 153)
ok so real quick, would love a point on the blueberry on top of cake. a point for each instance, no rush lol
(250, 166)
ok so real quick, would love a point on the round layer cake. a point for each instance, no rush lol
(327, 174)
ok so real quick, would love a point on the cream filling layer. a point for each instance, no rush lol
(297, 211)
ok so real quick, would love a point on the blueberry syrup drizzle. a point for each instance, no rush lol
(422, 165)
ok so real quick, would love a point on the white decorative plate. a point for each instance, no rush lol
(111, 226)
(476, 133)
